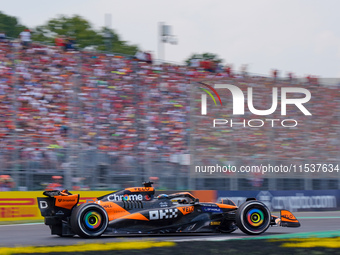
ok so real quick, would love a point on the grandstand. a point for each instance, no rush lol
(102, 121)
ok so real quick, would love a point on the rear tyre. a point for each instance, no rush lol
(89, 220)
(253, 217)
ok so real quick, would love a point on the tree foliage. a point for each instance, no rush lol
(204, 56)
(84, 34)
(10, 25)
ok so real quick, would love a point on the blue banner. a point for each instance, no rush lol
(293, 200)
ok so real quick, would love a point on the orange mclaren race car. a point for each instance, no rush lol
(136, 210)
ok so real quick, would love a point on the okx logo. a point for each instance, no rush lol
(163, 214)
(238, 104)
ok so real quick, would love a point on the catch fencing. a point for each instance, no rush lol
(101, 121)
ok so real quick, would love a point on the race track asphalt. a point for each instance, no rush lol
(38, 234)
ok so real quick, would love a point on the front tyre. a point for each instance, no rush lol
(89, 220)
(253, 217)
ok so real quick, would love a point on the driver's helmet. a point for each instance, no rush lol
(162, 196)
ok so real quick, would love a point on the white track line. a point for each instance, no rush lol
(21, 224)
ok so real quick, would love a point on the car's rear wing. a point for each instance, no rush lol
(57, 203)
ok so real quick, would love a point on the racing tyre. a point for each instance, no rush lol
(253, 217)
(89, 220)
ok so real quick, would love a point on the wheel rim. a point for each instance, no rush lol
(255, 217)
(93, 220)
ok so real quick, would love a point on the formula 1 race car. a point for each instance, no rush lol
(137, 210)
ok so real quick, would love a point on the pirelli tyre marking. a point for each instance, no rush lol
(163, 214)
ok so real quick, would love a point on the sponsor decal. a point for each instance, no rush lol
(126, 197)
(147, 197)
(60, 200)
(43, 204)
(208, 205)
(288, 216)
(163, 214)
(18, 213)
(211, 209)
(187, 209)
(141, 189)
(67, 202)
(23, 205)
(293, 200)
(215, 223)
(163, 204)
(16, 201)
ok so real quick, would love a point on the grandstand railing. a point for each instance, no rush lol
(168, 140)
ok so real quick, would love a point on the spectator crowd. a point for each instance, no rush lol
(58, 104)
